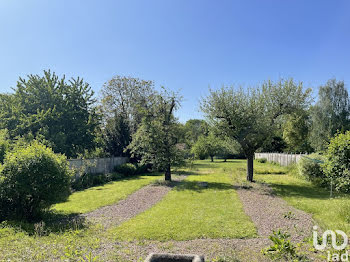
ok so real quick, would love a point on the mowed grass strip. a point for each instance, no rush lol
(191, 211)
(96, 197)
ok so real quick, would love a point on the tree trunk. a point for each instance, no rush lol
(250, 168)
(212, 158)
(168, 173)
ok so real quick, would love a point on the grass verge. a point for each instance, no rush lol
(96, 197)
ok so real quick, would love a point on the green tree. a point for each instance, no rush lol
(296, 131)
(194, 128)
(155, 140)
(127, 97)
(330, 114)
(207, 146)
(117, 136)
(61, 111)
(249, 116)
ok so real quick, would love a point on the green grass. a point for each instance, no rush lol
(190, 211)
(96, 197)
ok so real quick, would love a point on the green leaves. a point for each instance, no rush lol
(60, 111)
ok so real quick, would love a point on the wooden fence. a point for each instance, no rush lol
(96, 165)
(284, 159)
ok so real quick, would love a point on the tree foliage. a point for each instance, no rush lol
(117, 136)
(156, 139)
(296, 131)
(60, 111)
(330, 114)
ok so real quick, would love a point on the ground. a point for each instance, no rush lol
(209, 209)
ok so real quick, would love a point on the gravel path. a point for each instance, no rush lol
(134, 204)
(269, 213)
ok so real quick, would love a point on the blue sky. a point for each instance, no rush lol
(184, 45)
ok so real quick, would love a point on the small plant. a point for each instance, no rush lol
(39, 229)
(289, 215)
(262, 160)
(282, 247)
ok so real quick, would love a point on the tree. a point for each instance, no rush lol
(117, 135)
(155, 140)
(249, 116)
(330, 114)
(127, 97)
(194, 128)
(296, 131)
(62, 112)
(206, 146)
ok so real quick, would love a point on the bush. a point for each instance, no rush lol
(31, 180)
(261, 160)
(310, 167)
(127, 169)
(337, 165)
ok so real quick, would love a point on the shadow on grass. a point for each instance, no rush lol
(265, 172)
(201, 186)
(50, 222)
(299, 191)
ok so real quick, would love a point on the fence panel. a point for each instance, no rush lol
(283, 159)
(97, 165)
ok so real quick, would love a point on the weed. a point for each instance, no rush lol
(289, 215)
(282, 248)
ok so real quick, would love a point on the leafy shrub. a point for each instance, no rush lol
(4, 144)
(310, 167)
(262, 160)
(282, 247)
(127, 169)
(32, 179)
(337, 165)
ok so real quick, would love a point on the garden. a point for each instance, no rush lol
(187, 188)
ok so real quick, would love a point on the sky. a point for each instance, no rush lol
(185, 45)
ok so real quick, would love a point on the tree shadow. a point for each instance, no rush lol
(300, 191)
(265, 172)
(50, 222)
(199, 186)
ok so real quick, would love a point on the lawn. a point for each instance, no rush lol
(96, 197)
(191, 211)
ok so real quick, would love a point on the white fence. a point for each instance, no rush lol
(97, 165)
(283, 159)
